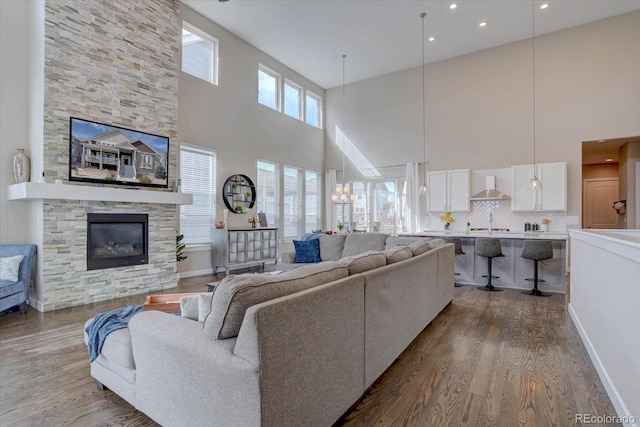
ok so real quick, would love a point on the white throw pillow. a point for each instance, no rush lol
(9, 267)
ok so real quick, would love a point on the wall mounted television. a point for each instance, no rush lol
(110, 154)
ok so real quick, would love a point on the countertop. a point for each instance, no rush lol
(546, 235)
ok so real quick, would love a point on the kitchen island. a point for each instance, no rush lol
(511, 269)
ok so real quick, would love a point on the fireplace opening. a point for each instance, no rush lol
(117, 240)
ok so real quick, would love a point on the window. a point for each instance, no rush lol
(267, 191)
(380, 207)
(198, 177)
(268, 87)
(146, 162)
(199, 54)
(292, 100)
(292, 201)
(313, 109)
(313, 201)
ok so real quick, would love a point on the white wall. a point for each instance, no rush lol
(229, 119)
(480, 108)
(21, 106)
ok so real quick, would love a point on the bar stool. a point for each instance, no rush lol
(537, 250)
(458, 251)
(489, 248)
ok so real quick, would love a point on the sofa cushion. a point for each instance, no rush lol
(236, 293)
(398, 253)
(357, 243)
(436, 243)
(307, 250)
(331, 247)
(116, 348)
(9, 267)
(364, 262)
(420, 247)
(395, 241)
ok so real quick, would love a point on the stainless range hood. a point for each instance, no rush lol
(490, 192)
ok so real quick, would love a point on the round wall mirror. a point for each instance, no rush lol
(239, 194)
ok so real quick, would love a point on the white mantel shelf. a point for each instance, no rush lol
(40, 191)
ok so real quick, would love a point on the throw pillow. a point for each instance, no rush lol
(9, 267)
(307, 250)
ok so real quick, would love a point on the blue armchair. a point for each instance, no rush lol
(17, 293)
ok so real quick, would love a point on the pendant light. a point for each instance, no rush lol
(343, 194)
(423, 188)
(534, 183)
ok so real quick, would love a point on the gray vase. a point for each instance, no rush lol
(21, 166)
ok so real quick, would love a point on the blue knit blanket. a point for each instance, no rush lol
(105, 323)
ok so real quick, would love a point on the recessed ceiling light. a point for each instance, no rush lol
(431, 38)
(609, 160)
(483, 24)
(453, 6)
(602, 140)
(543, 6)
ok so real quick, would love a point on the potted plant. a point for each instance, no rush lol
(180, 248)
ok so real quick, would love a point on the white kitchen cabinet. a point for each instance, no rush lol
(553, 197)
(448, 191)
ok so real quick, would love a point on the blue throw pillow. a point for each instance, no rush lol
(307, 250)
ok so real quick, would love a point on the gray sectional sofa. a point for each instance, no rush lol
(289, 348)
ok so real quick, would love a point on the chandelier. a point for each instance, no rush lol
(343, 194)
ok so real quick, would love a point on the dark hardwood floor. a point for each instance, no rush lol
(489, 359)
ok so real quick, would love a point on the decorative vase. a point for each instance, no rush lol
(21, 166)
(446, 226)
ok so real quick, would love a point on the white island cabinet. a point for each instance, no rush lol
(448, 191)
(553, 197)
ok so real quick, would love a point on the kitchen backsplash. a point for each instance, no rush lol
(502, 217)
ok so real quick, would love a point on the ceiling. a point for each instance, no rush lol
(383, 36)
(598, 152)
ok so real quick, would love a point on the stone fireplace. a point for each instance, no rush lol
(112, 62)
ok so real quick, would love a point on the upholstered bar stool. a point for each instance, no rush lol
(489, 248)
(537, 250)
(457, 243)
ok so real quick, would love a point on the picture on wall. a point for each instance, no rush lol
(115, 155)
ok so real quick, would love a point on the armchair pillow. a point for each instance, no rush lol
(9, 267)
(307, 250)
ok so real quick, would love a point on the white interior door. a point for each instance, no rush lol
(599, 195)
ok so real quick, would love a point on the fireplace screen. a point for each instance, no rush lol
(116, 240)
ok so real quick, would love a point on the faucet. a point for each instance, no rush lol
(490, 222)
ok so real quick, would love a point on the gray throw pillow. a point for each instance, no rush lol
(331, 247)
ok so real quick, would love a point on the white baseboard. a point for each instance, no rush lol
(193, 273)
(610, 388)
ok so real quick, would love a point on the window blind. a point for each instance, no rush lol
(198, 176)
